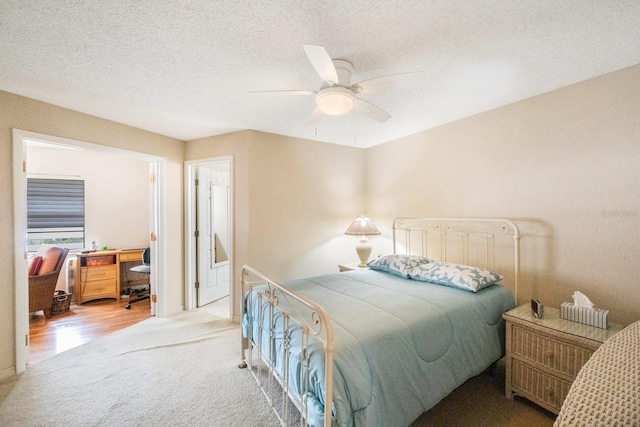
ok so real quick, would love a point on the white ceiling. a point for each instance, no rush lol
(186, 69)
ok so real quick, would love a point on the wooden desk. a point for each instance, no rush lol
(99, 273)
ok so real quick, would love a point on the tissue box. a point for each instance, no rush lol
(589, 316)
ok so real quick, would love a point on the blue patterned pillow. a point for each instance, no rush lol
(455, 275)
(400, 265)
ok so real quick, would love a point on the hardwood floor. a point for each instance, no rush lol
(80, 325)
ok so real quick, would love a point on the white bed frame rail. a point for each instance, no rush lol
(474, 240)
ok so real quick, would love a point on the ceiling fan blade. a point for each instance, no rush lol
(287, 92)
(371, 111)
(382, 83)
(322, 62)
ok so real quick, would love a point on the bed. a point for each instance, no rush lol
(380, 346)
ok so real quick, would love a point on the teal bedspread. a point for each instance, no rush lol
(401, 345)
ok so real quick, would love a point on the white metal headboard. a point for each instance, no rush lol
(471, 241)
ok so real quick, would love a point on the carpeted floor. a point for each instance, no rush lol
(480, 402)
(182, 371)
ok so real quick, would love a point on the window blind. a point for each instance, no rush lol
(55, 203)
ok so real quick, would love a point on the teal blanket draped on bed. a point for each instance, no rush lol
(401, 345)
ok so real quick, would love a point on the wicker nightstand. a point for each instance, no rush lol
(545, 355)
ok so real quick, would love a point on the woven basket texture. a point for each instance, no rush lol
(606, 391)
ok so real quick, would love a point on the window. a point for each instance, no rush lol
(55, 212)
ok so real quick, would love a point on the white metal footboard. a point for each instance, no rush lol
(292, 310)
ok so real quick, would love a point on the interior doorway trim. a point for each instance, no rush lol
(157, 222)
(190, 167)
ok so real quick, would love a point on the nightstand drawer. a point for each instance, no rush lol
(562, 357)
(547, 390)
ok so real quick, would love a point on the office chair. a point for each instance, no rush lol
(145, 268)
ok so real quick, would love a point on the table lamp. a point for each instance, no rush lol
(363, 227)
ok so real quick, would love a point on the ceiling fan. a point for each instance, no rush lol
(337, 95)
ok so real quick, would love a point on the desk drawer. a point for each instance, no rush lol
(547, 351)
(98, 273)
(99, 287)
(131, 256)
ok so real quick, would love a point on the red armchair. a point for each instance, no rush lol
(43, 277)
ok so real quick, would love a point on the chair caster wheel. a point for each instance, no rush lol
(128, 306)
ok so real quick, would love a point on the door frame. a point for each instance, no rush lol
(156, 224)
(190, 226)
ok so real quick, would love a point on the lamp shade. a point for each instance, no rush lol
(362, 226)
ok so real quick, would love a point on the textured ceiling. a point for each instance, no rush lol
(186, 69)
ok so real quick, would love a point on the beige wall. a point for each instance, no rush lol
(564, 165)
(293, 200)
(26, 114)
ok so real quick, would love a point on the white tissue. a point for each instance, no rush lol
(581, 300)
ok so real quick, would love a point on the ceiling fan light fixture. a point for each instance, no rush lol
(335, 100)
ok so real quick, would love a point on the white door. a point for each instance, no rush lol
(212, 234)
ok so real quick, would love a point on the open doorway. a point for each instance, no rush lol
(209, 231)
(155, 170)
